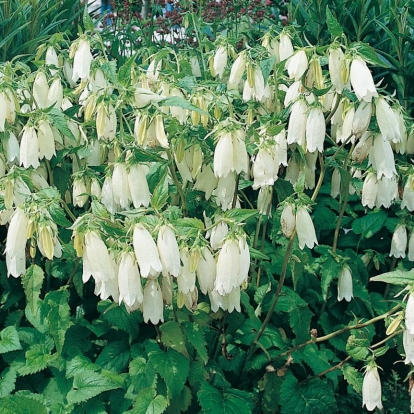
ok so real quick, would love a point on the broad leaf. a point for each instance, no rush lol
(15, 404)
(142, 373)
(7, 382)
(9, 340)
(370, 224)
(396, 277)
(32, 284)
(353, 377)
(357, 348)
(147, 402)
(114, 357)
(172, 336)
(334, 27)
(195, 336)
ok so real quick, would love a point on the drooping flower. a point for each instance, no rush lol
(410, 254)
(285, 47)
(387, 191)
(46, 140)
(362, 118)
(82, 61)
(361, 80)
(40, 90)
(288, 219)
(345, 286)
(153, 306)
(387, 121)
(408, 344)
(297, 123)
(335, 62)
(168, 250)
(120, 185)
(237, 71)
(371, 389)
(409, 314)
(206, 270)
(29, 148)
(305, 228)
(315, 130)
(220, 61)
(186, 278)
(399, 242)
(129, 280)
(370, 190)
(138, 185)
(146, 252)
(297, 65)
(228, 267)
(79, 192)
(381, 157)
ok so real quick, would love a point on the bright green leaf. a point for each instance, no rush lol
(147, 402)
(32, 283)
(7, 381)
(9, 340)
(396, 277)
(333, 26)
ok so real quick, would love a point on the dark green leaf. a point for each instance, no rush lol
(357, 348)
(87, 20)
(18, 404)
(172, 336)
(333, 26)
(143, 374)
(9, 340)
(114, 357)
(7, 382)
(270, 386)
(330, 271)
(37, 359)
(195, 336)
(88, 384)
(353, 377)
(32, 284)
(147, 402)
(370, 223)
(173, 368)
(266, 65)
(230, 401)
(312, 397)
(369, 54)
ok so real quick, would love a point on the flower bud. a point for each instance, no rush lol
(288, 219)
(45, 242)
(220, 61)
(336, 61)
(345, 288)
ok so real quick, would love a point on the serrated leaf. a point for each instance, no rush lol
(396, 277)
(181, 103)
(266, 66)
(7, 381)
(312, 397)
(32, 284)
(124, 73)
(239, 214)
(173, 367)
(38, 358)
(357, 348)
(15, 404)
(160, 195)
(334, 27)
(353, 377)
(87, 20)
(58, 216)
(300, 318)
(78, 364)
(58, 120)
(370, 55)
(142, 373)
(330, 271)
(270, 386)
(114, 357)
(172, 336)
(88, 384)
(9, 340)
(182, 403)
(147, 402)
(59, 316)
(370, 224)
(229, 401)
(195, 335)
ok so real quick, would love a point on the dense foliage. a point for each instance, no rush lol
(216, 223)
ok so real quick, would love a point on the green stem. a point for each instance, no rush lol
(177, 182)
(200, 47)
(67, 209)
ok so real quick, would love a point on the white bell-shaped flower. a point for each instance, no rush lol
(297, 123)
(228, 267)
(40, 90)
(206, 181)
(409, 314)
(168, 250)
(305, 228)
(129, 280)
(361, 80)
(138, 185)
(370, 190)
(288, 219)
(381, 157)
(153, 306)
(218, 235)
(371, 389)
(345, 285)
(108, 199)
(410, 254)
(315, 130)
(285, 47)
(408, 344)
(224, 192)
(335, 64)
(79, 192)
(237, 71)
(399, 242)
(120, 185)
(82, 61)
(387, 191)
(297, 65)
(29, 148)
(408, 194)
(206, 270)
(363, 147)
(264, 168)
(46, 140)
(146, 252)
(220, 61)
(362, 118)
(387, 121)
(55, 94)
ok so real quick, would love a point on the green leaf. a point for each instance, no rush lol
(357, 348)
(7, 382)
(195, 336)
(396, 277)
(229, 401)
(370, 55)
(172, 336)
(240, 215)
(59, 316)
(124, 73)
(58, 120)
(32, 284)
(181, 103)
(142, 373)
(312, 397)
(182, 403)
(270, 386)
(334, 27)
(114, 357)
(88, 384)
(147, 402)
(78, 364)
(38, 358)
(87, 20)
(353, 377)
(266, 66)
(58, 216)
(160, 195)
(9, 340)
(330, 271)
(19, 404)
(173, 368)
(370, 224)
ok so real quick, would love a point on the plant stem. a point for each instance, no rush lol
(327, 371)
(67, 209)
(177, 182)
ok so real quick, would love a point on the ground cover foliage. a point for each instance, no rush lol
(215, 219)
